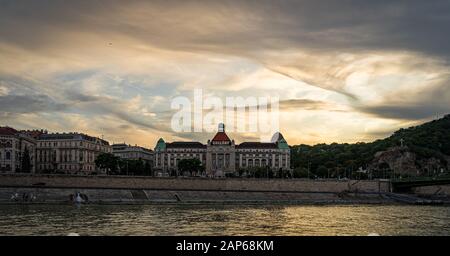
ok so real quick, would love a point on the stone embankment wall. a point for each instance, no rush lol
(443, 190)
(107, 189)
(196, 184)
(127, 196)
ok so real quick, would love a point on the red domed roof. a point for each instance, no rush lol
(8, 131)
(221, 136)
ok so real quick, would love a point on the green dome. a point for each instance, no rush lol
(277, 137)
(280, 141)
(160, 145)
(282, 144)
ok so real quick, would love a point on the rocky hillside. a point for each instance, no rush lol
(418, 150)
(402, 161)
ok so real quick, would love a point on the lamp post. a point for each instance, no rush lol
(309, 166)
(309, 162)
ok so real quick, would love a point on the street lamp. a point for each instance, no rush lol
(309, 166)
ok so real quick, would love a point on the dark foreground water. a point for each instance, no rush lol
(223, 220)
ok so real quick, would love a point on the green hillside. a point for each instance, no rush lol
(428, 140)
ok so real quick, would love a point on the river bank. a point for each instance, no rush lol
(27, 195)
(61, 189)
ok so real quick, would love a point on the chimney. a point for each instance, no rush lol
(221, 127)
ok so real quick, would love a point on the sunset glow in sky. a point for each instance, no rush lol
(345, 71)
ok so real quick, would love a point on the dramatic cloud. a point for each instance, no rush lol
(344, 70)
(28, 104)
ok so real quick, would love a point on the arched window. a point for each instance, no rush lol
(264, 162)
(8, 155)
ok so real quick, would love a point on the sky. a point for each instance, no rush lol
(344, 71)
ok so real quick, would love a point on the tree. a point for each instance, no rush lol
(136, 167)
(148, 169)
(107, 161)
(122, 165)
(259, 172)
(192, 165)
(300, 172)
(429, 140)
(322, 171)
(270, 172)
(26, 162)
(240, 172)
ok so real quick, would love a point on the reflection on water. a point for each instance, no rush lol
(223, 220)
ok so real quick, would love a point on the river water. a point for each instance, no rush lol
(223, 220)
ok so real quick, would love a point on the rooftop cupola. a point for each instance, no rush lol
(221, 138)
(160, 145)
(221, 127)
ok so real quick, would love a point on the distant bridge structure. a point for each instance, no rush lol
(406, 184)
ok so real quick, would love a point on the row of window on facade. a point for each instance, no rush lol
(68, 144)
(237, 155)
(64, 157)
(132, 155)
(222, 149)
(66, 167)
(8, 144)
(251, 162)
(166, 156)
(8, 156)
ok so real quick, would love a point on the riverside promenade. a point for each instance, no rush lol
(41, 188)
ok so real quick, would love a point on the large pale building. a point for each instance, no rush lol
(69, 152)
(167, 155)
(14, 145)
(130, 152)
(221, 156)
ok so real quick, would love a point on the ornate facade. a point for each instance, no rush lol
(221, 156)
(13, 147)
(69, 152)
(167, 155)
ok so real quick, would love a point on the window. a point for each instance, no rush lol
(8, 155)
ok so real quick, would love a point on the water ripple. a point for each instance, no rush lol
(223, 220)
